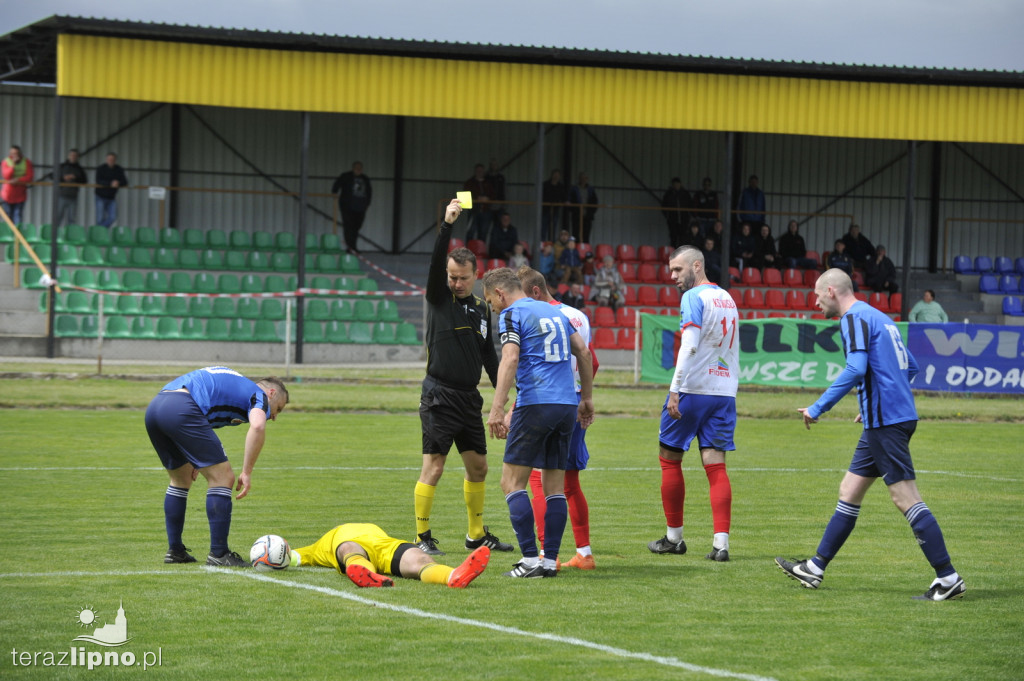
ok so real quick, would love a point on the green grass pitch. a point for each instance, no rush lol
(82, 528)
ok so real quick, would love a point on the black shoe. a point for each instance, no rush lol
(798, 570)
(937, 592)
(718, 555)
(537, 571)
(229, 559)
(182, 555)
(663, 545)
(428, 545)
(488, 540)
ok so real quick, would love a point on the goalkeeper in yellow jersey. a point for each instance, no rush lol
(367, 555)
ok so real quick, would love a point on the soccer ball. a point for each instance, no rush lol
(270, 552)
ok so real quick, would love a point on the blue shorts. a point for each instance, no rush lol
(539, 436)
(709, 418)
(885, 453)
(180, 432)
(578, 453)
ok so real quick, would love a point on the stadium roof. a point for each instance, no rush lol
(29, 54)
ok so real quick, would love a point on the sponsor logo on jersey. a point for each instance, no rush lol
(719, 368)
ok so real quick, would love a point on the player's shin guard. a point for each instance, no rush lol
(929, 537)
(673, 491)
(540, 506)
(473, 493)
(175, 501)
(554, 521)
(721, 496)
(521, 514)
(579, 511)
(423, 498)
(218, 512)
(836, 533)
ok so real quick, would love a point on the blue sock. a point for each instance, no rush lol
(836, 533)
(218, 512)
(929, 537)
(554, 524)
(175, 501)
(520, 512)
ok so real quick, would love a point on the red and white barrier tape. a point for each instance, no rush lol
(277, 294)
(390, 276)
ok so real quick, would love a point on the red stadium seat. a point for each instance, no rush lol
(895, 303)
(813, 255)
(796, 300)
(648, 310)
(648, 254)
(627, 339)
(750, 276)
(589, 311)
(478, 247)
(625, 253)
(817, 315)
(454, 243)
(647, 273)
(562, 288)
(495, 263)
(811, 278)
(647, 295)
(776, 315)
(774, 300)
(583, 247)
(861, 296)
(602, 250)
(629, 295)
(586, 292)
(753, 299)
(734, 274)
(479, 268)
(879, 301)
(665, 275)
(756, 314)
(858, 279)
(627, 270)
(812, 301)
(604, 339)
(737, 296)
(604, 316)
(625, 316)
(664, 253)
(669, 297)
(771, 277)
(793, 278)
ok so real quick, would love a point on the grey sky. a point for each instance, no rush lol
(983, 34)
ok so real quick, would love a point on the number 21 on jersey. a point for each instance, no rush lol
(556, 340)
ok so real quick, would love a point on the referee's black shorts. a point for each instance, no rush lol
(451, 415)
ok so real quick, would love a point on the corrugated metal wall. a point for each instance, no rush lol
(799, 174)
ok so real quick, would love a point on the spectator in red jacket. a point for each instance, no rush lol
(17, 174)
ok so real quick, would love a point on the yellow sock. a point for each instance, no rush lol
(424, 501)
(357, 559)
(474, 493)
(435, 573)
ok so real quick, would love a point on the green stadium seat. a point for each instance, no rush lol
(146, 237)
(68, 255)
(64, 275)
(170, 238)
(133, 280)
(263, 241)
(384, 333)
(272, 308)
(23, 254)
(92, 256)
(313, 331)
(200, 306)
(66, 326)
(367, 284)
(257, 260)
(285, 241)
(205, 282)
(177, 307)
(312, 243)
(224, 307)
(117, 327)
(217, 239)
(152, 306)
(98, 235)
(360, 332)
(336, 332)
(143, 328)
(320, 281)
(59, 302)
(84, 278)
(165, 258)
(406, 334)
(211, 259)
(30, 277)
(193, 238)
(235, 260)
(191, 328)
(274, 283)
(345, 284)
(229, 283)
(282, 262)
(128, 305)
(326, 262)
(248, 308)
(349, 264)
(141, 257)
(387, 310)
(167, 329)
(122, 236)
(6, 235)
(109, 304)
(317, 309)
(240, 330)
(188, 259)
(108, 280)
(364, 311)
(342, 310)
(77, 302)
(216, 329)
(90, 327)
(180, 282)
(30, 232)
(310, 262)
(239, 240)
(265, 331)
(292, 283)
(116, 256)
(46, 235)
(157, 282)
(250, 283)
(329, 243)
(74, 234)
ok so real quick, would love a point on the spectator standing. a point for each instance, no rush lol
(580, 194)
(354, 193)
(744, 243)
(504, 238)
(928, 310)
(792, 249)
(110, 177)
(609, 286)
(554, 192)
(67, 204)
(17, 173)
(706, 201)
(676, 203)
(765, 254)
(480, 215)
(752, 199)
(497, 180)
(858, 249)
(881, 272)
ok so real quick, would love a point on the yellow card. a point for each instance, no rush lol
(465, 199)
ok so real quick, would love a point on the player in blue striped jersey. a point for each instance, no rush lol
(180, 422)
(537, 342)
(881, 367)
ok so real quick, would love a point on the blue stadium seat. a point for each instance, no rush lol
(983, 264)
(1004, 265)
(1008, 284)
(1012, 306)
(1018, 265)
(962, 265)
(988, 284)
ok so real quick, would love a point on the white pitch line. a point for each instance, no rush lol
(83, 573)
(416, 612)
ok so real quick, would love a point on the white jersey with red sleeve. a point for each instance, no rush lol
(581, 323)
(713, 368)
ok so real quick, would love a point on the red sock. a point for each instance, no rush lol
(673, 491)
(721, 496)
(579, 512)
(540, 506)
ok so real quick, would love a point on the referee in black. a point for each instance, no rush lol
(459, 344)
